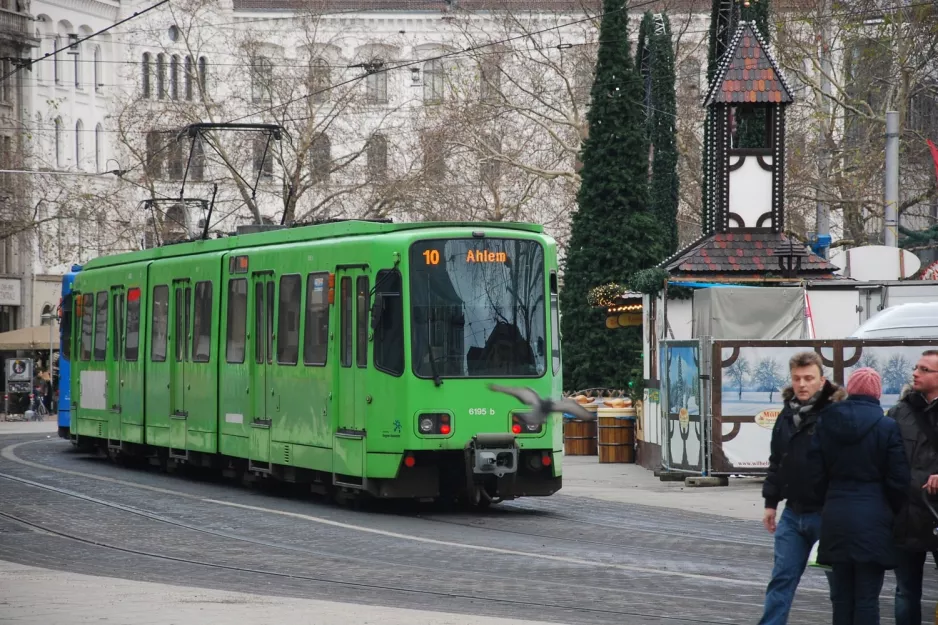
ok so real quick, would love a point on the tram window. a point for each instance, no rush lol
(346, 322)
(132, 337)
(270, 322)
(66, 324)
(202, 323)
(388, 317)
(361, 341)
(237, 319)
(87, 325)
(316, 330)
(288, 320)
(181, 324)
(160, 331)
(100, 326)
(117, 307)
(259, 323)
(554, 324)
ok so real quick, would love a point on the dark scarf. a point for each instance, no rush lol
(801, 409)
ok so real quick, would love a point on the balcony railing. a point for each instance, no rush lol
(16, 25)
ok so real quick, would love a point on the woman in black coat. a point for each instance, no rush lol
(868, 474)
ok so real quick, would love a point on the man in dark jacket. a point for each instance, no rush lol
(917, 416)
(796, 475)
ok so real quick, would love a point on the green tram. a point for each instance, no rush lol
(354, 356)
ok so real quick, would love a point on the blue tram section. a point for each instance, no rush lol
(65, 339)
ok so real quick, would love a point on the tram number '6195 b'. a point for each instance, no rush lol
(482, 411)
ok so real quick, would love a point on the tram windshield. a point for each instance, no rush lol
(477, 308)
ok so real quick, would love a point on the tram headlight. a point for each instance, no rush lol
(518, 426)
(435, 424)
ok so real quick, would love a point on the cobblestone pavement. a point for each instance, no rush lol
(559, 559)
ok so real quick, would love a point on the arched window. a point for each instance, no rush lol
(433, 81)
(98, 71)
(59, 148)
(154, 155)
(176, 164)
(377, 153)
(145, 74)
(203, 75)
(197, 164)
(320, 158)
(79, 139)
(160, 76)
(376, 86)
(319, 80)
(47, 315)
(174, 77)
(490, 80)
(175, 224)
(188, 77)
(76, 61)
(261, 73)
(98, 148)
(57, 60)
(263, 158)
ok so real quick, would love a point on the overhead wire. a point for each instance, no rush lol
(29, 62)
(400, 65)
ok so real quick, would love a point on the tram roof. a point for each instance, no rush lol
(312, 232)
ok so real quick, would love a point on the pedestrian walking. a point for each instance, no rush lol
(868, 476)
(795, 475)
(916, 413)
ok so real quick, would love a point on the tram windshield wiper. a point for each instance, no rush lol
(437, 380)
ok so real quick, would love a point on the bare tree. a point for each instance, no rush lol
(881, 61)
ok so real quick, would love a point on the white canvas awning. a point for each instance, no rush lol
(29, 338)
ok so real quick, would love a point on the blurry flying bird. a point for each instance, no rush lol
(542, 407)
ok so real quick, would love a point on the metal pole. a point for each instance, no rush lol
(892, 179)
(824, 160)
(51, 348)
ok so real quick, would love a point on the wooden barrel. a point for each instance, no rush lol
(616, 435)
(579, 436)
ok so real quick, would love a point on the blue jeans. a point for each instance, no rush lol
(795, 534)
(855, 588)
(909, 576)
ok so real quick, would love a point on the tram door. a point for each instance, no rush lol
(262, 392)
(349, 447)
(115, 379)
(182, 323)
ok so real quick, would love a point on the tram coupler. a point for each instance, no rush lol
(492, 454)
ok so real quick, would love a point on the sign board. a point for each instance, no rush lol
(877, 262)
(19, 370)
(9, 292)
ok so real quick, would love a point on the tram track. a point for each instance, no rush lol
(275, 545)
(664, 597)
(587, 541)
(61, 533)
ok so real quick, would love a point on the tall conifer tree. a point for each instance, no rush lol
(614, 231)
(656, 55)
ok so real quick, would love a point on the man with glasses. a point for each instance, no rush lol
(917, 416)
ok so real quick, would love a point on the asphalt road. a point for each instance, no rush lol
(560, 559)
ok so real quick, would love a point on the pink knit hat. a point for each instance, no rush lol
(865, 381)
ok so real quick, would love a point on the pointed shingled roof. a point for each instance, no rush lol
(743, 255)
(748, 74)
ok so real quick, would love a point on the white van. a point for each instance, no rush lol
(917, 320)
